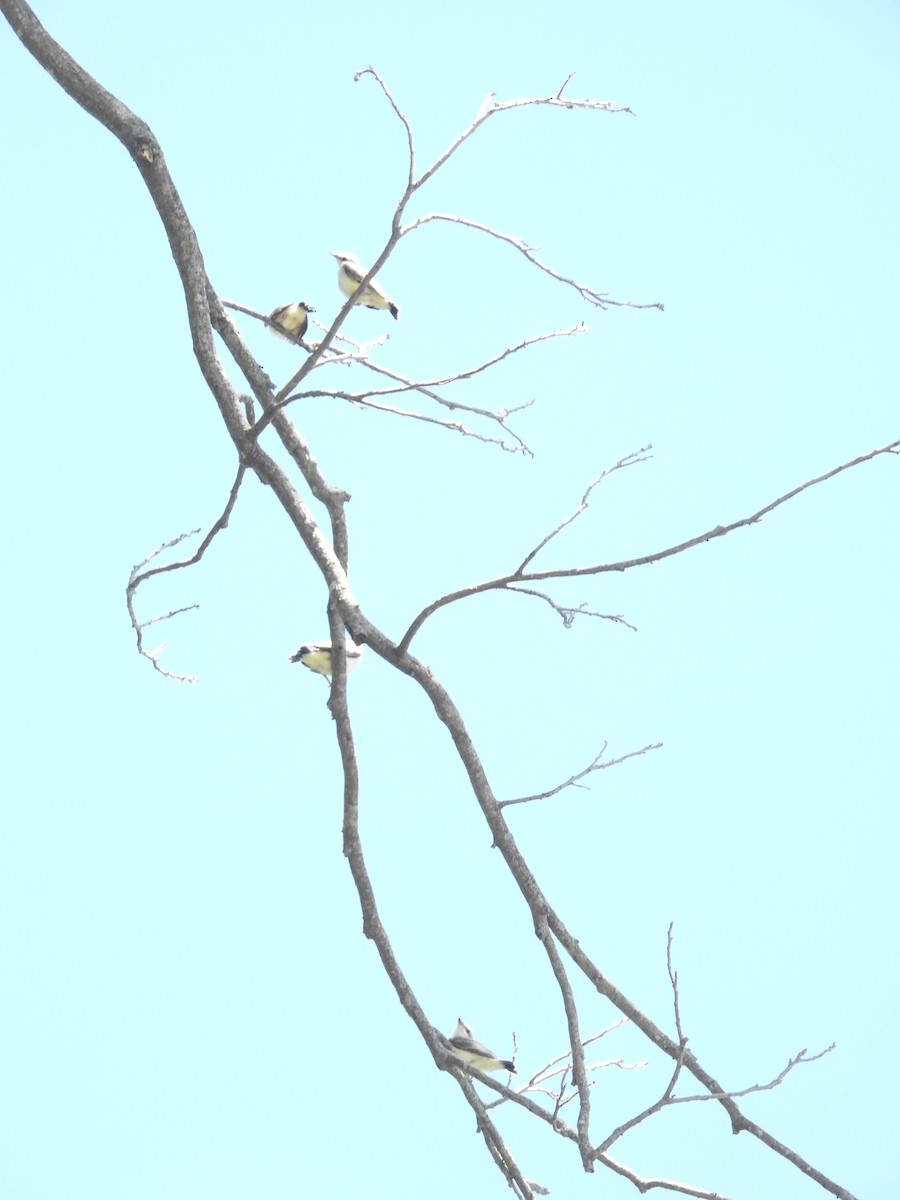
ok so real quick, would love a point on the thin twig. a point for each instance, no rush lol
(718, 531)
(137, 577)
(553, 1063)
(490, 107)
(363, 400)
(574, 780)
(666, 1098)
(599, 300)
(799, 1059)
(469, 373)
(630, 460)
(567, 613)
(644, 1185)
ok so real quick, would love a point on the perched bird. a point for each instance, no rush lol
(470, 1051)
(293, 318)
(317, 656)
(350, 276)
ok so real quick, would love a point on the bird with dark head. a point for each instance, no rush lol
(317, 656)
(292, 321)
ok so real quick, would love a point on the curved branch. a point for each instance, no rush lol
(636, 456)
(517, 576)
(568, 613)
(591, 295)
(574, 780)
(489, 108)
(425, 387)
(137, 577)
(362, 400)
(469, 373)
(402, 118)
(720, 530)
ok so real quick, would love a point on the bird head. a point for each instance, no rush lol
(300, 654)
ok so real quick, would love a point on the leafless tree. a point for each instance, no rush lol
(565, 1081)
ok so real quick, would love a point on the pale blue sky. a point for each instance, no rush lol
(189, 1008)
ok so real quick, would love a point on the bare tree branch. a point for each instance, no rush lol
(575, 780)
(669, 1185)
(137, 577)
(489, 108)
(518, 576)
(579, 1075)
(600, 300)
(363, 400)
(719, 530)
(553, 1066)
(637, 456)
(425, 387)
(799, 1059)
(666, 1097)
(470, 372)
(567, 613)
(330, 552)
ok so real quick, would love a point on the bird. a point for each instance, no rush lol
(317, 656)
(470, 1051)
(293, 318)
(351, 275)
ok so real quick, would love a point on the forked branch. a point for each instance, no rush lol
(513, 579)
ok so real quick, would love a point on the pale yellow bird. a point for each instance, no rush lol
(470, 1051)
(351, 275)
(293, 319)
(317, 656)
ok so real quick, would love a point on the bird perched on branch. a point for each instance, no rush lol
(293, 319)
(317, 656)
(470, 1051)
(350, 276)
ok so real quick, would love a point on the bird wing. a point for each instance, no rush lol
(356, 275)
(353, 272)
(473, 1047)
